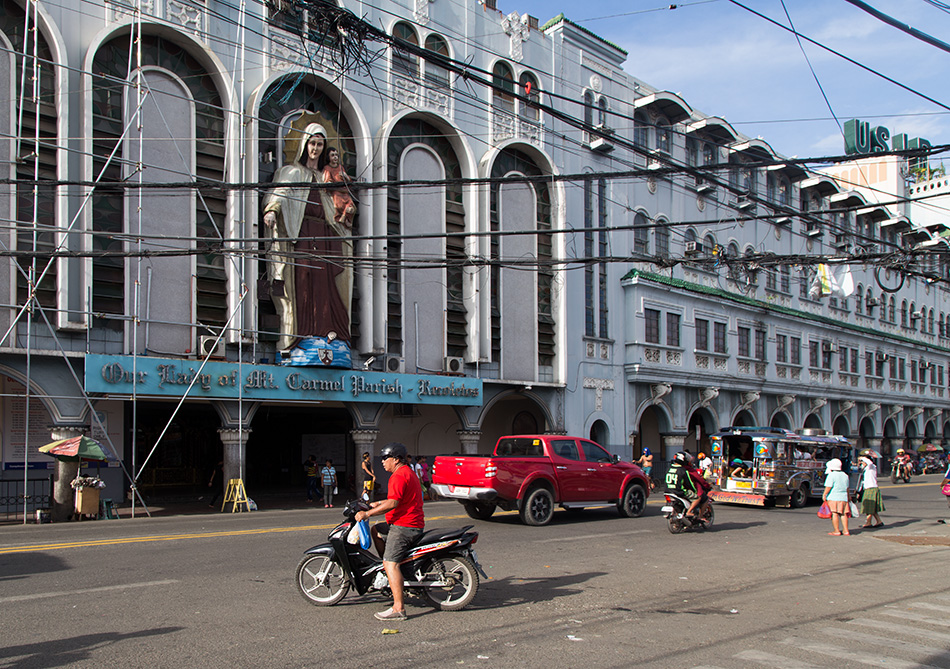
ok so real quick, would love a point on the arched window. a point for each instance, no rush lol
(771, 188)
(904, 313)
(503, 88)
(784, 192)
(528, 84)
(663, 138)
(641, 234)
(689, 235)
(661, 233)
(641, 130)
(602, 112)
(930, 321)
(207, 214)
(785, 279)
(891, 310)
(709, 242)
(436, 75)
(588, 109)
(859, 300)
(404, 63)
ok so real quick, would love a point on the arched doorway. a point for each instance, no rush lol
(600, 433)
(701, 424)
(781, 420)
(744, 419)
(812, 422)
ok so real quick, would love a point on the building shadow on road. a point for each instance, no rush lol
(64, 652)
(512, 591)
(19, 565)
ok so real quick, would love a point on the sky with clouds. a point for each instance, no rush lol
(726, 61)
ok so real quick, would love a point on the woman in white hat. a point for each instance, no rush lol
(836, 496)
(871, 501)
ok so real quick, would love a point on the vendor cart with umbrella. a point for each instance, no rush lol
(75, 450)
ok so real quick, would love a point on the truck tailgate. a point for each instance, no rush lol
(462, 470)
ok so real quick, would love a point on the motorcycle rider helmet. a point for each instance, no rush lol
(394, 450)
(647, 451)
(900, 451)
(681, 458)
(737, 461)
(701, 455)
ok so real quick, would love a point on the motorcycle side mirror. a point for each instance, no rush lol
(616, 458)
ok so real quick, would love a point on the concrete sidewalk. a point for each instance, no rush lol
(189, 505)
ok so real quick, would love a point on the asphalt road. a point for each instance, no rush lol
(763, 588)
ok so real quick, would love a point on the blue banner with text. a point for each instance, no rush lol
(169, 377)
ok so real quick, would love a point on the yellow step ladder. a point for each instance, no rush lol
(235, 494)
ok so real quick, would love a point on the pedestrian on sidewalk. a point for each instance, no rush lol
(369, 477)
(836, 495)
(871, 501)
(328, 473)
(311, 469)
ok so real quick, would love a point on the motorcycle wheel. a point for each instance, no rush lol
(321, 580)
(676, 526)
(893, 478)
(907, 479)
(709, 518)
(461, 583)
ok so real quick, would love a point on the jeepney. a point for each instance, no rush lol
(765, 466)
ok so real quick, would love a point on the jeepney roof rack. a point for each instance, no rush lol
(747, 428)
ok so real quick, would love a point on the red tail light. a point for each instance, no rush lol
(491, 471)
(475, 540)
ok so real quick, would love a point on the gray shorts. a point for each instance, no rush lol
(399, 540)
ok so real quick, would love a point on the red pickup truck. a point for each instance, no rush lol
(533, 473)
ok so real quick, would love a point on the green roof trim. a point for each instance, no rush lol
(560, 18)
(767, 306)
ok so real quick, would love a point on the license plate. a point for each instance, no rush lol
(459, 490)
(743, 485)
(666, 509)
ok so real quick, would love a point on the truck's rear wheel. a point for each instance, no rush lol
(479, 510)
(537, 507)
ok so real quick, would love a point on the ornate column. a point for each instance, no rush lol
(672, 444)
(363, 442)
(63, 495)
(874, 443)
(235, 446)
(469, 440)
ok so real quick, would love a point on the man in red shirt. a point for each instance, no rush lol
(404, 524)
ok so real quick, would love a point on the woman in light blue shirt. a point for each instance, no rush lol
(836, 496)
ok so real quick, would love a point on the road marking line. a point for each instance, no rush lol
(931, 652)
(907, 629)
(591, 536)
(774, 660)
(917, 618)
(85, 591)
(850, 655)
(6, 550)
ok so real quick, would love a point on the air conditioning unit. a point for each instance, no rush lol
(880, 356)
(452, 365)
(872, 301)
(814, 232)
(916, 315)
(705, 187)
(744, 203)
(212, 346)
(693, 248)
(394, 364)
(829, 346)
(601, 144)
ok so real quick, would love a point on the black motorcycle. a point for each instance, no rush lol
(900, 472)
(442, 567)
(675, 512)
